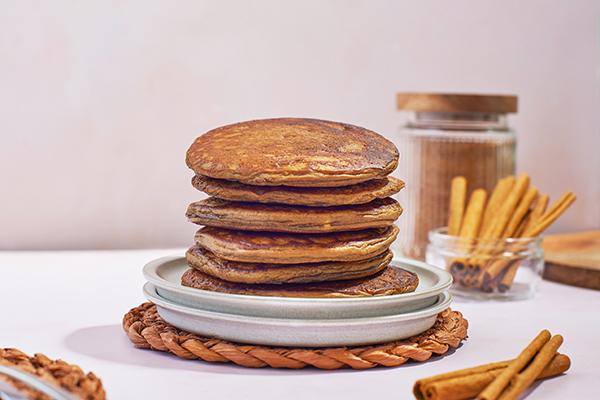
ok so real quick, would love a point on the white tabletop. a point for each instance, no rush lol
(69, 305)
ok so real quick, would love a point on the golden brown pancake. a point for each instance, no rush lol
(292, 152)
(295, 248)
(317, 197)
(299, 219)
(252, 273)
(387, 282)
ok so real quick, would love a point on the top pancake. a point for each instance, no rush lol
(360, 193)
(292, 152)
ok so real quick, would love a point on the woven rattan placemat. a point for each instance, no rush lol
(57, 372)
(147, 330)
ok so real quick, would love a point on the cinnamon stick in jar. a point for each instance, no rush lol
(535, 229)
(552, 215)
(500, 193)
(535, 215)
(472, 221)
(489, 261)
(495, 271)
(520, 212)
(500, 221)
(496, 226)
(469, 227)
(458, 194)
(508, 277)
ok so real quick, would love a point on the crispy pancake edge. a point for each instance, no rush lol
(361, 193)
(387, 282)
(288, 248)
(291, 218)
(252, 273)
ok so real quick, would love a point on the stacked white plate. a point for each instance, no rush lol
(304, 322)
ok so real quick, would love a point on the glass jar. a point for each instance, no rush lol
(442, 136)
(505, 269)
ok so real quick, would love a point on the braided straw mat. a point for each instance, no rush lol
(147, 330)
(57, 372)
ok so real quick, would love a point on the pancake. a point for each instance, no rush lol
(317, 197)
(387, 282)
(295, 248)
(292, 152)
(252, 273)
(299, 219)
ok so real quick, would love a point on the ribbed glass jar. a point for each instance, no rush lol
(443, 136)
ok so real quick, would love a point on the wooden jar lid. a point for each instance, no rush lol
(445, 102)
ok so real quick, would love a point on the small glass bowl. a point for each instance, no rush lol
(502, 269)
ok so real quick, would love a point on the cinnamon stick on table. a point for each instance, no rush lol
(468, 383)
(535, 357)
(493, 390)
(524, 379)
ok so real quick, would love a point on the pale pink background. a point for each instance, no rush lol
(99, 100)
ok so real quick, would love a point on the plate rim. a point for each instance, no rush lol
(445, 281)
(444, 300)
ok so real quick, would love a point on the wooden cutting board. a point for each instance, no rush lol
(573, 259)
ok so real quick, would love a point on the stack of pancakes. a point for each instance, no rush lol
(298, 207)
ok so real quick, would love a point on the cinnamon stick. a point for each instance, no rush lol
(502, 267)
(508, 277)
(500, 193)
(524, 379)
(536, 213)
(557, 203)
(538, 210)
(513, 210)
(497, 225)
(495, 271)
(526, 221)
(520, 211)
(468, 383)
(503, 216)
(500, 272)
(472, 220)
(469, 226)
(541, 223)
(458, 194)
(494, 389)
(551, 215)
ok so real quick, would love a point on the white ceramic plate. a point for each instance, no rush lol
(165, 273)
(297, 332)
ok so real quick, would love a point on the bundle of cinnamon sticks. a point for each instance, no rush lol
(515, 209)
(503, 380)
